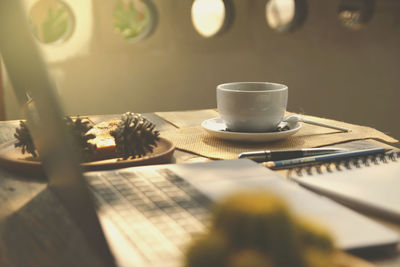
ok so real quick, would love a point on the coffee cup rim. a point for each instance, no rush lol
(221, 87)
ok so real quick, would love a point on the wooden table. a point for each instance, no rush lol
(35, 230)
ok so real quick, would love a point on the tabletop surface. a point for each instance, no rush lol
(34, 224)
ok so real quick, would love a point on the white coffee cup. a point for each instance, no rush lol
(252, 106)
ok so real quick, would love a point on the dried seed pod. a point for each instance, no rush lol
(134, 136)
(25, 141)
(79, 128)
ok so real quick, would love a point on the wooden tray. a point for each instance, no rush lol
(12, 159)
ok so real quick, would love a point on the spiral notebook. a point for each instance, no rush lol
(370, 184)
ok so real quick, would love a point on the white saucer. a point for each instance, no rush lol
(216, 127)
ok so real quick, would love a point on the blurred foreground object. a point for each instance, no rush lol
(257, 229)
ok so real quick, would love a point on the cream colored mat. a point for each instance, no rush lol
(192, 138)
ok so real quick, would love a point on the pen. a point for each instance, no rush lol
(267, 155)
(322, 158)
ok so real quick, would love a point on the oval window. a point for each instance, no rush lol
(134, 19)
(51, 21)
(209, 17)
(355, 14)
(285, 15)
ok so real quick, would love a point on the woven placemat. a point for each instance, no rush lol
(197, 140)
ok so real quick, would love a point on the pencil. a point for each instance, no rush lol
(322, 158)
(268, 155)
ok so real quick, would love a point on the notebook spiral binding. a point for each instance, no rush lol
(344, 164)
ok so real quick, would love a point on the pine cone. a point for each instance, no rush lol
(79, 129)
(134, 136)
(25, 141)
